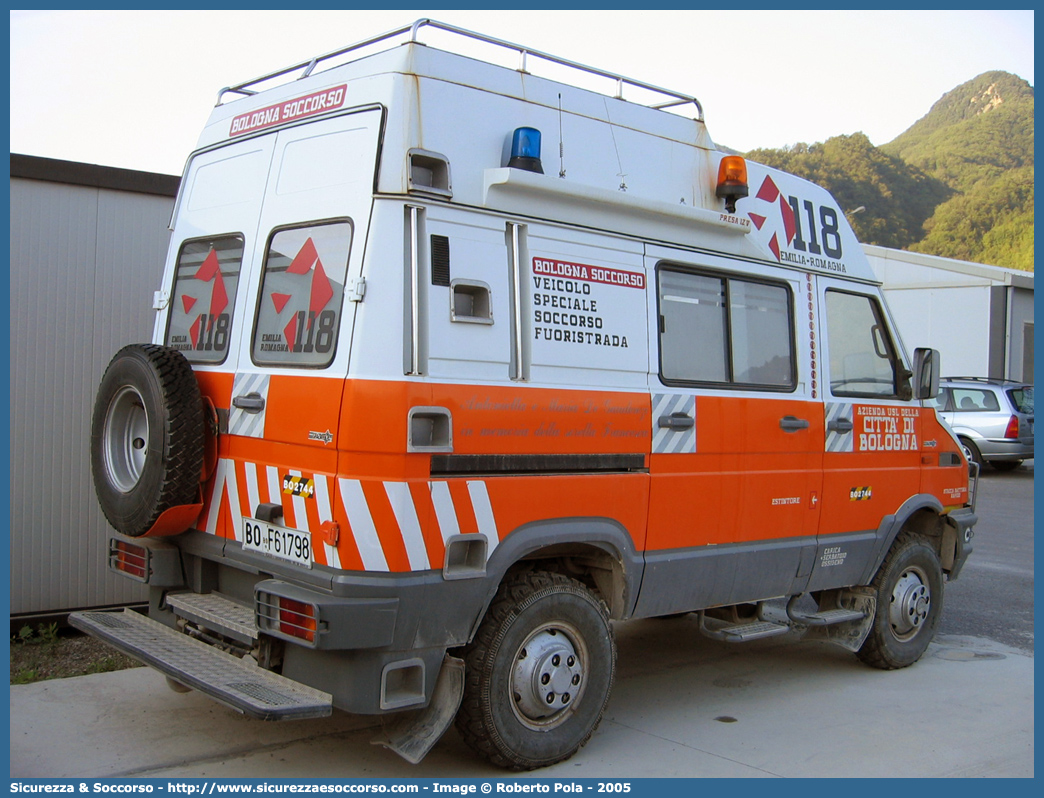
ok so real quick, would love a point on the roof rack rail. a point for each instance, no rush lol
(673, 98)
(985, 379)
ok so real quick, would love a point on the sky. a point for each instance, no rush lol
(133, 89)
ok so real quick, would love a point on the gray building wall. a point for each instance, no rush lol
(1020, 334)
(87, 251)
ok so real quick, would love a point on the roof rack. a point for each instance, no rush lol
(673, 98)
(995, 380)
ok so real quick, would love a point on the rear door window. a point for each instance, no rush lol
(206, 279)
(299, 308)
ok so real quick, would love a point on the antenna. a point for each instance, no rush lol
(619, 163)
(561, 140)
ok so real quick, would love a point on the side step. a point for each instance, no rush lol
(243, 687)
(826, 617)
(760, 626)
(743, 632)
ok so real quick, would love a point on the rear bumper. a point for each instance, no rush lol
(1005, 449)
(374, 642)
(350, 611)
(235, 682)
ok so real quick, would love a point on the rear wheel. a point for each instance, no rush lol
(973, 452)
(539, 672)
(909, 592)
(146, 437)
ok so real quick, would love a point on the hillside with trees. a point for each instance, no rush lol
(958, 183)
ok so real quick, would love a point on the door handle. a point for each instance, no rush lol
(792, 424)
(250, 403)
(840, 425)
(676, 421)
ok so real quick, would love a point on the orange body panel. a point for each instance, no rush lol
(948, 483)
(862, 486)
(747, 480)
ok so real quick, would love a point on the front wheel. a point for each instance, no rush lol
(909, 590)
(539, 672)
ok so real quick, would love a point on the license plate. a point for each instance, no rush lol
(280, 542)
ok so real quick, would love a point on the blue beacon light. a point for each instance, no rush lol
(525, 150)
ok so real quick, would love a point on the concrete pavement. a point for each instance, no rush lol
(683, 706)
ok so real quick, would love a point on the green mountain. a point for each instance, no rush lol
(958, 183)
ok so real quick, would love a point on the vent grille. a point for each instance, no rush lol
(440, 261)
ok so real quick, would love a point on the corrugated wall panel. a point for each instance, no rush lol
(84, 264)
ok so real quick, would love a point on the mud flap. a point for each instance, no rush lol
(412, 734)
(851, 634)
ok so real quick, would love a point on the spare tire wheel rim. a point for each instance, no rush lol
(125, 442)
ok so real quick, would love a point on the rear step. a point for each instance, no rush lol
(216, 612)
(243, 687)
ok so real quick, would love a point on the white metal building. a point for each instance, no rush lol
(87, 250)
(979, 317)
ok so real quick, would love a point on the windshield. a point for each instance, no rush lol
(1022, 398)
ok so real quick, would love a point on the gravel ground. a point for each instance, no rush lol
(47, 653)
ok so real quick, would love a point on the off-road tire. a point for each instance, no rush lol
(909, 592)
(549, 613)
(146, 437)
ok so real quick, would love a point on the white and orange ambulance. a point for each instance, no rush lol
(426, 410)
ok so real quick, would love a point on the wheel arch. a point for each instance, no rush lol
(597, 551)
(924, 516)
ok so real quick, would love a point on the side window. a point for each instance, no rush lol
(692, 328)
(941, 401)
(299, 309)
(205, 282)
(975, 400)
(863, 359)
(725, 330)
(1022, 398)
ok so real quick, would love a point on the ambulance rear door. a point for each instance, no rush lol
(283, 378)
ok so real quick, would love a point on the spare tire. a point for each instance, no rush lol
(146, 437)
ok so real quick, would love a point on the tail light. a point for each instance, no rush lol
(129, 559)
(288, 618)
(297, 619)
(1013, 428)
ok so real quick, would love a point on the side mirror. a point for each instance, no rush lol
(926, 373)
